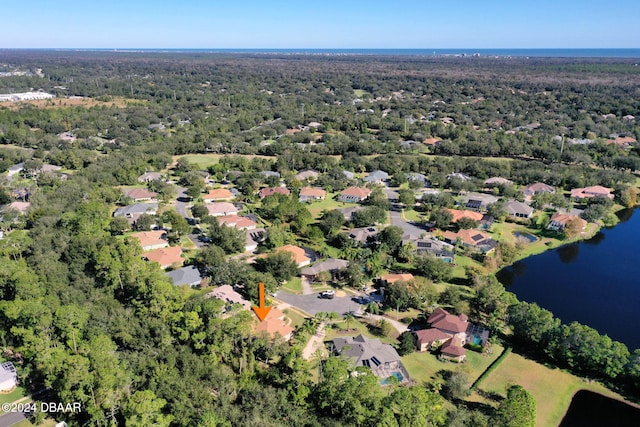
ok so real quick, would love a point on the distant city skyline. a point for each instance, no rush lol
(355, 24)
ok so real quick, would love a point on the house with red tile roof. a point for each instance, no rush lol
(299, 255)
(622, 141)
(536, 188)
(270, 191)
(432, 142)
(396, 277)
(354, 194)
(222, 209)
(309, 194)
(150, 240)
(457, 215)
(471, 238)
(218, 195)
(141, 194)
(275, 325)
(589, 192)
(166, 257)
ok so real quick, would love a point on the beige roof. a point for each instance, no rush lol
(141, 193)
(150, 238)
(274, 324)
(228, 294)
(593, 191)
(356, 192)
(222, 208)
(19, 206)
(166, 257)
(236, 221)
(396, 277)
(298, 253)
(312, 192)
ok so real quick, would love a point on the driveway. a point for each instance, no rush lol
(312, 304)
(407, 227)
(182, 202)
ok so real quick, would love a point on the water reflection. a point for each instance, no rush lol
(568, 253)
(625, 215)
(591, 409)
(595, 240)
(507, 275)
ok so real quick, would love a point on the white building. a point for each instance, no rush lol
(26, 96)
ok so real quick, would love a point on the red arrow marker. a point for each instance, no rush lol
(261, 311)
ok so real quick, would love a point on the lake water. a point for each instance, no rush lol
(591, 409)
(595, 282)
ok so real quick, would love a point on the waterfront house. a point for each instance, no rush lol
(383, 360)
(589, 192)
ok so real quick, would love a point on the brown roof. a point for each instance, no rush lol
(392, 278)
(228, 294)
(622, 140)
(457, 215)
(218, 194)
(469, 237)
(141, 193)
(236, 221)
(19, 206)
(150, 238)
(443, 320)
(539, 187)
(564, 218)
(165, 256)
(275, 324)
(270, 191)
(453, 348)
(432, 141)
(431, 335)
(312, 192)
(356, 192)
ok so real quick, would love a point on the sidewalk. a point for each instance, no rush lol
(315, 343)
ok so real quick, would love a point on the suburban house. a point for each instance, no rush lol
(354, 194)
(471, 238)
(267, 174)
(185, 276)
(222, 209)
(236, 221)
(484, 221)
(166, 257)
(458, 175)
(387, 279)
(377, 177)
(307, 174)
(497, 181)
(363, 235)
(451, 332)
(559, 221)
(622, 141)
(218, 195)
(309, 194)
(253, 238)
(382, 359)
(433, 247)
(478, 201)
(275, 325)
(150, 240)
(589, 192)
(348, 174)
(149, 176)
(432, 142)
(299, 254)
(348, 212)
(332, 265)
(21, 207)
(415, 176)
(227, 294)
(536, 188)
(141, 195)
(8, 377)
(518, 209)
(270, 191)
(135, 211)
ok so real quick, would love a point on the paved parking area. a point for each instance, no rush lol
(312, 304)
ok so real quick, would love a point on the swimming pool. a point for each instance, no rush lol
(398, 375)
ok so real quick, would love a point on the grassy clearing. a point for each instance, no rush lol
(552, 389)
(203, 161)
(16, 394)
(329, 203)
(117, 102)
(360, 93)
(423, 367)
(412, 215)
(293, 286)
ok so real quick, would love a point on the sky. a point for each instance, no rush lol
(346, 24)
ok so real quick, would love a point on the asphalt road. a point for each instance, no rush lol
(396, 219)
(312, 304)
(181, 202)
(11, 418)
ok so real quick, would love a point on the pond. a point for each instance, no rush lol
(530, 237)
(589, 409)
(594, 282)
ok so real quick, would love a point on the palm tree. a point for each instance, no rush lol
(349, 317)
(372, 308)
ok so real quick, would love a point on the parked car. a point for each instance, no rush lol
(328, 294)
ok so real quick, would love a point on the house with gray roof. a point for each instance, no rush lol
(307, 174)
(332, 265)
(267, 174)
(135, 211)
(478, 201)
(363, 235)
(377, 177)
(518, 209)
(185, 276)
(349, 175)
(348, 212)
(149, 176)
(432, 246)
(416, 176)
(383, 360)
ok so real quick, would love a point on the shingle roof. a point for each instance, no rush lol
(218, 194)
(331, 264)
(270, 191)
(366, 351)
(185, 276)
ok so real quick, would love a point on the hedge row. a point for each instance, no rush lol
(491, 367)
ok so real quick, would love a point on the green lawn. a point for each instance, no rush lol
(16, 394)
(360, 92)
(297, 319)
(552, 389)
(293, 286)
(316, 208)
(360, 328)
(423, 367)
(412, 215)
